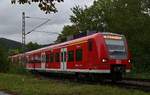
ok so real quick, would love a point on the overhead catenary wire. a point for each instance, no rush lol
(37, 27)
(55, 33)
(37, 18)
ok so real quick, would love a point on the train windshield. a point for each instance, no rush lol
(116, 48)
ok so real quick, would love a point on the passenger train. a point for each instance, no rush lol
(99, 53)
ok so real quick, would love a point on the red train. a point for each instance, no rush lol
(99, 53)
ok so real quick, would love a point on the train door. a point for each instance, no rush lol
(63, 66)
(43, 60)
(91, 55)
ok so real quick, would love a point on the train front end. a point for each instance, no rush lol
(117, 54)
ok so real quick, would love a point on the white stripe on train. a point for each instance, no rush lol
(74, 70)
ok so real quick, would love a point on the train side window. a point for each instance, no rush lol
(70, 56)
(79, 55)
(57, 57)
(65, 56)
(31, 61)
(51, 57)
(90, 44)
(43, 58)
(62, 56)
(47, 58)
(39, 59)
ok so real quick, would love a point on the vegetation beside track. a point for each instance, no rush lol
(28, 85)
(138, 75)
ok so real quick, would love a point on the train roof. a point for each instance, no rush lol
(64, 43)
(106, 33)
(69, 42)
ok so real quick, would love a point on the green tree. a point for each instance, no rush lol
(47, 6)
(32, 46)
(14, 51)
(92, 18)
(128, 17)
(68, 30)
(119, 16)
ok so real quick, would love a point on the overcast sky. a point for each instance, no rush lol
(11, 20)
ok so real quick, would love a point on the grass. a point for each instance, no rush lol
(28, 85)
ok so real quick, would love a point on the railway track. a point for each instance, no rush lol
(130, 83)
(138, 84)
(137, 79)
(126, 83)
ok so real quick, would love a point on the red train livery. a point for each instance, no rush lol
(99, 53)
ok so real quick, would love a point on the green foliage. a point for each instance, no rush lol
(47, 6)
(14, 51)
(128, 17)
(4, 64)
(32, 46)
(17, 68)
(8, 67)
(67, 31)
(143, 75)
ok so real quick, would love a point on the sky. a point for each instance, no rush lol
(11, 20)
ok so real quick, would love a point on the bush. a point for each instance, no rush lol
(7, 67)
(17, 68)
(4, 64)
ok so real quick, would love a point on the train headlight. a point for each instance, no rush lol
(104, 60)
(129, 61)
